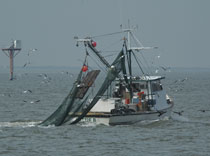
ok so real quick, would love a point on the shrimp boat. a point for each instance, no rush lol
(131, 99)
(149, 102)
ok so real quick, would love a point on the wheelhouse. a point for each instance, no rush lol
(143, 91)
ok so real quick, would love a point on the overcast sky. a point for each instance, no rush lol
(180, 28)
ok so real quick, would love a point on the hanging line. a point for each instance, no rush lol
(138, 62)
(86, 55)
(97, 63)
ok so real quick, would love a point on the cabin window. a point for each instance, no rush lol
(156, 86)
(143, 86)
(137, 87)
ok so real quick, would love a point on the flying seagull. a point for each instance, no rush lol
(203, 110)
(31, 50)
(35, 101)
(26, 64)
(27, 91)
(179, 113)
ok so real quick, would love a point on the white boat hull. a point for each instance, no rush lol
(127, 119)
(97, 120)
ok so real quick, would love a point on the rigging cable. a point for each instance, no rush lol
(138, 63)
(136, 39)
(107, 34)
(112, 44)
(114, 52)
(146, 62)
(110, 55)
(104, 70)
(148, 72)
(93, 85)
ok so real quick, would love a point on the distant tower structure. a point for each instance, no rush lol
(11, 52)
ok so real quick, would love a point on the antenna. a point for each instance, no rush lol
(11, 52)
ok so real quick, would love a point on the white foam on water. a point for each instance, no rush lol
(22, 124)
(147, 122)
(88, 124)
(49, 126)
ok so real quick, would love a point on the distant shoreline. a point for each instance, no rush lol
(35, 69)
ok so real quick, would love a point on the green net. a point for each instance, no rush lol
(113, 72)
(58, 117)
(72, 108)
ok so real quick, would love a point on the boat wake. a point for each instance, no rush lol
(151, 122)
(181, 118)
(86, 124)
(90, 124)
(177, 117)
(22, 124)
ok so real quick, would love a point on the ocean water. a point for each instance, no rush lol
(33, 96)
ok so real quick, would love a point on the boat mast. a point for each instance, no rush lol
(129, 60)
(128, 50)
(129, 53)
